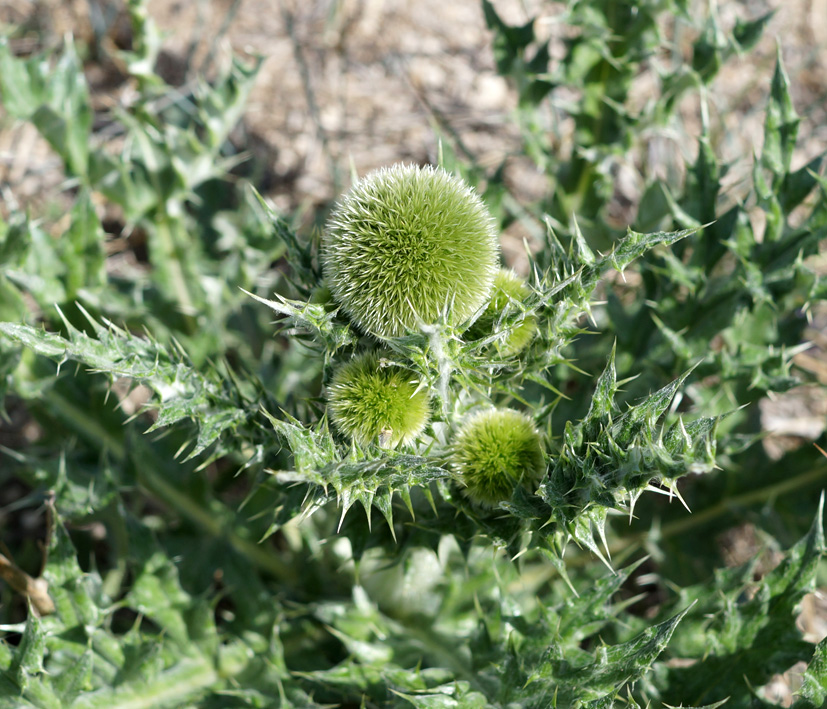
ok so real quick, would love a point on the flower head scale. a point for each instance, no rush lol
(407, 244)
(495, 451)
(372, 403)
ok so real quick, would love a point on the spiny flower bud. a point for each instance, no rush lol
(406, 245)
(495, 451)
(373, 403)
(508, 288)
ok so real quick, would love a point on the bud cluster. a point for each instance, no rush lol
(409, 247)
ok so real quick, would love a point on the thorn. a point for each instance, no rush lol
(680, 497)
(519, 554)
(633, 498)
(658, 490)
(602, 531)
(346, 502)
(570, 584)
(602, 558)
(63, 318)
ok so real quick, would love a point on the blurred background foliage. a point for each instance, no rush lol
(136, 458)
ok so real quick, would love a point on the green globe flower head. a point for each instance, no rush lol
(495, 451)
(407, 244)
(508, 288)
(372, 403)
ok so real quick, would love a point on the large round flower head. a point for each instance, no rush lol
(406, 244)
(372, 403)
(495, 451)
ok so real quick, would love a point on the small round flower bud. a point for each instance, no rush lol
(406, 245)
(508, 288)
(372, 403)
(495, 451)
(322, 295)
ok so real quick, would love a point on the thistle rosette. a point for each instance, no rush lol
(372, 401)
(406, 245)
(495, 451)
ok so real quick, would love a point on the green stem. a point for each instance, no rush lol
(727, 505)
(624, 547)
(211, 521)
(168, 261)
(88, 427)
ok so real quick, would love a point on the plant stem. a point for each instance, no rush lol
(168, 261)
(211, 521)
(89, 428)
(697, 519)
(624, 547)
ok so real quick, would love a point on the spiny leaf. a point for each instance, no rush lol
(781, 128)
(300, 255)
(742, 631)
(182, 391)
(28, 656)
(607, 459)
(605, 674)
(55, 100)
(813, 692)
(314, 319)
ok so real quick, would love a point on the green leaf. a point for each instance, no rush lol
(314, 319)
(24, 83)
(14, 240)
(813, 692)
(781, 126)
(746, 34)
(55, 100)
(609, 459)
(82, 249)
(76, 679)
(799, 184)
(183, 393)
(743, 632)
(300, 255)
(28, 656)
(604, 675)
(509, 41)
(42, 272)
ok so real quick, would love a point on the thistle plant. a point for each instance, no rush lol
(488, 511)
(371, 401)
(495, 451)
(407, 246)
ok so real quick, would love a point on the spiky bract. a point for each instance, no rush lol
(495, 451)
(406, 245)
(373, 402)
(508, 289)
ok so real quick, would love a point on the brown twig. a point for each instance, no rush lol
(35, 589)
